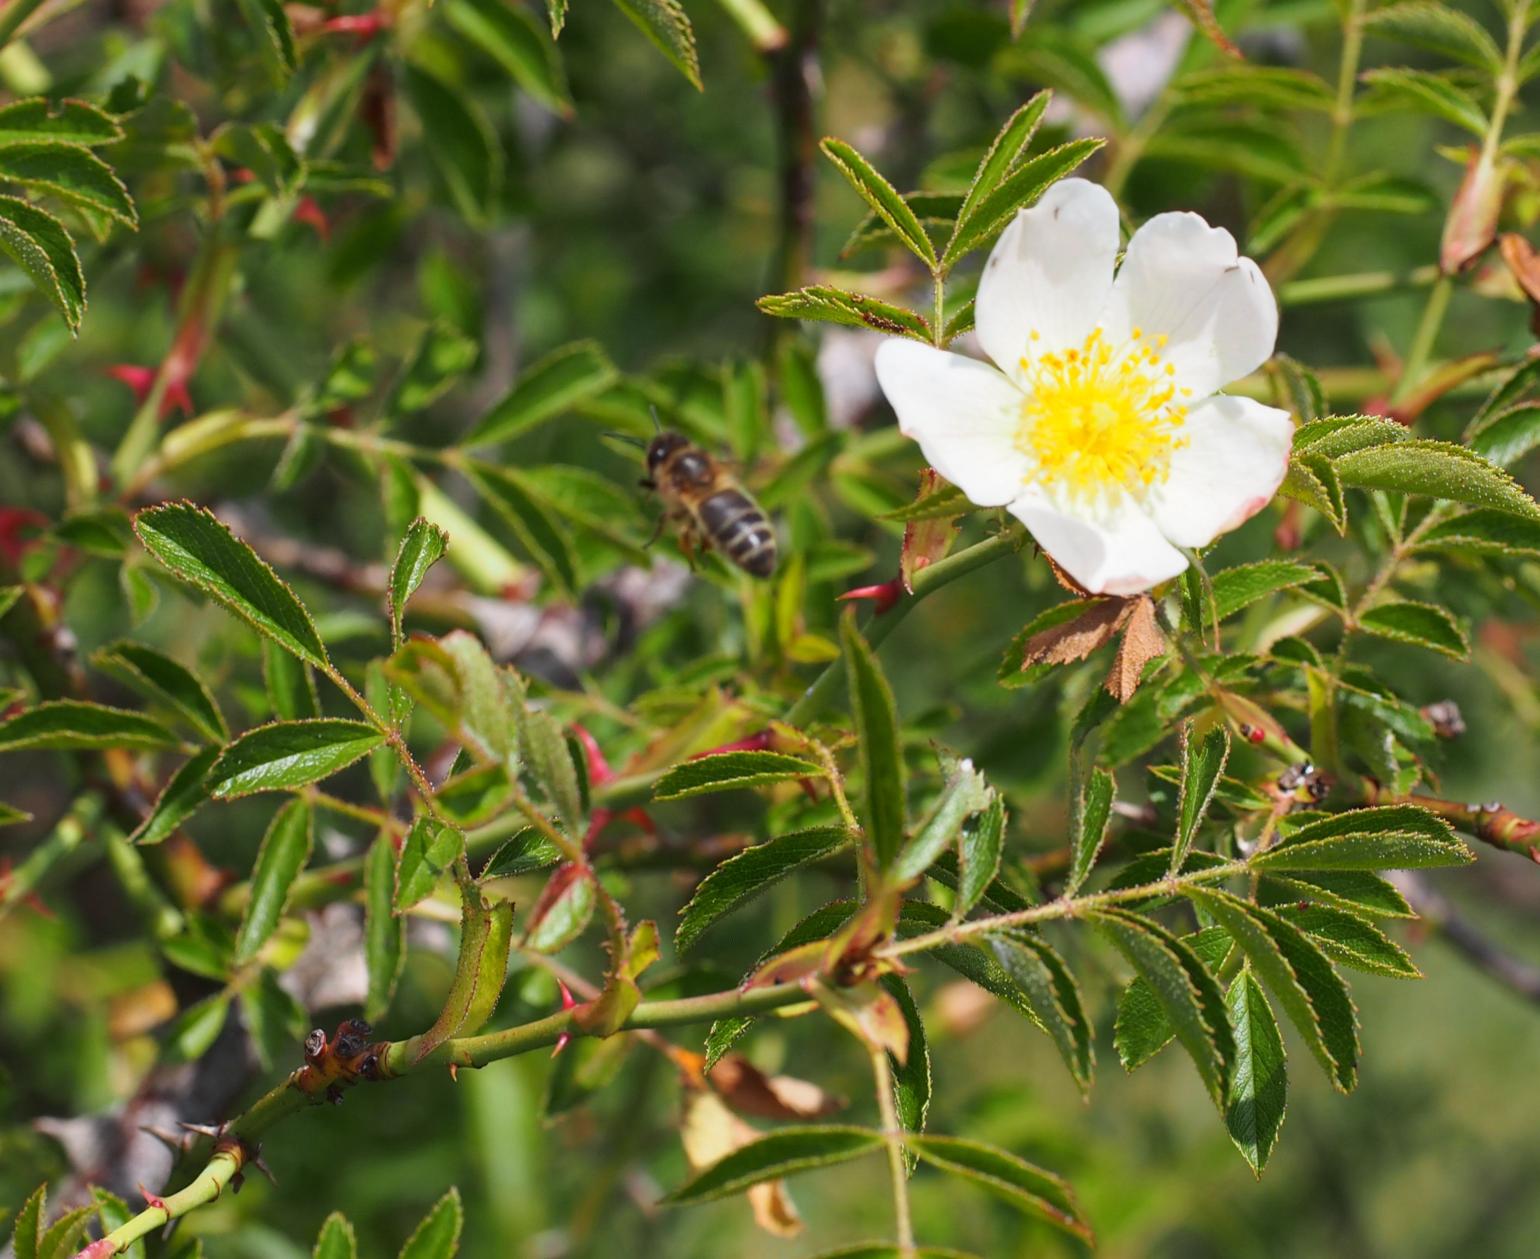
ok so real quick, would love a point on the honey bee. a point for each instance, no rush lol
(707, 505)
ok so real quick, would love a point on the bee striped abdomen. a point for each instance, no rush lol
(738, 528)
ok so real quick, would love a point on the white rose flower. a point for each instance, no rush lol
(1101, 427)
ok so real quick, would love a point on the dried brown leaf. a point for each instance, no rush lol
(1076, 639)
(1142, 642)
(749, 1091)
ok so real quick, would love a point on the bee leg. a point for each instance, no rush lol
(657, 531)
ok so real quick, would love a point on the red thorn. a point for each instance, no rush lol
(13, 520)
(561, 1043)
(599, 770)
(364, 25)
(883, 595)
(807, 787)
(759, 742)
(568, 1002)
(307, 211)
(142, 379)
(153, 1202)
(597, 821)
(454, 1073)
(641, 819)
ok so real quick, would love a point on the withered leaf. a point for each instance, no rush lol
(749, 1091)
(1142, 642)
(1078, 638)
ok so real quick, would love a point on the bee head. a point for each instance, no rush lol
(662, 446)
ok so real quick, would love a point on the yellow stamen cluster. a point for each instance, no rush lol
(1101, 422)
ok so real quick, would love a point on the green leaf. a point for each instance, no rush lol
(885, 202)
(943, 502)
(438, 1236)
(458, 680)
(1259, 1088)
(1247, 83)
(1348, 939)
(1240, 587)
(525, 853)
(911, 1077)
(1019, 189)
(1424, 93)
(61, 1238)
(1055, 55)
(826, 304)
(1004, 153)
(283, 755)
(200, 549)
(982, 842)
(421, 548)
(1185, 989)
(284, 852)
(1484, 532)
(1142, 1029)
(555, 384)
(1091, 816)
(551, 764)
(1506, 436)
(272, 19)
(290, 684)
(442, 356)
(882, 759)
(538, 533)
(750, 873)
(1424, 624)
(732, 771)
(1309, 989)
(1438, 470)
(1203, 764)
(72, 173)
(1030, 1189)
(1439, 28)
(62, 121)
(155, 674)
(666, 24)
(1390, 837)
(1051, 990)
(510, 35)
(964, 794)
(38, 243)
(1353, 891)
(486, 936)
(427, 855)
(776, 1155)
(28, 1229)
(76, 724)
(459, 141)
(183, 794)
(564, 909)
(336, 1240)
(384, 933)
(818, 925)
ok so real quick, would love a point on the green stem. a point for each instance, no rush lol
(1337, 288)
(926, 581)
(1064, 907)
(893, 1136)
(398, 1059)
(13, 15)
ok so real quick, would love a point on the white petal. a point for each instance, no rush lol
(1117, 553)
(963, 413)
(1050, 272)
(1183, 279)
(1236, 454)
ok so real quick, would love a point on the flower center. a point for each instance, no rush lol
(1101, 423)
